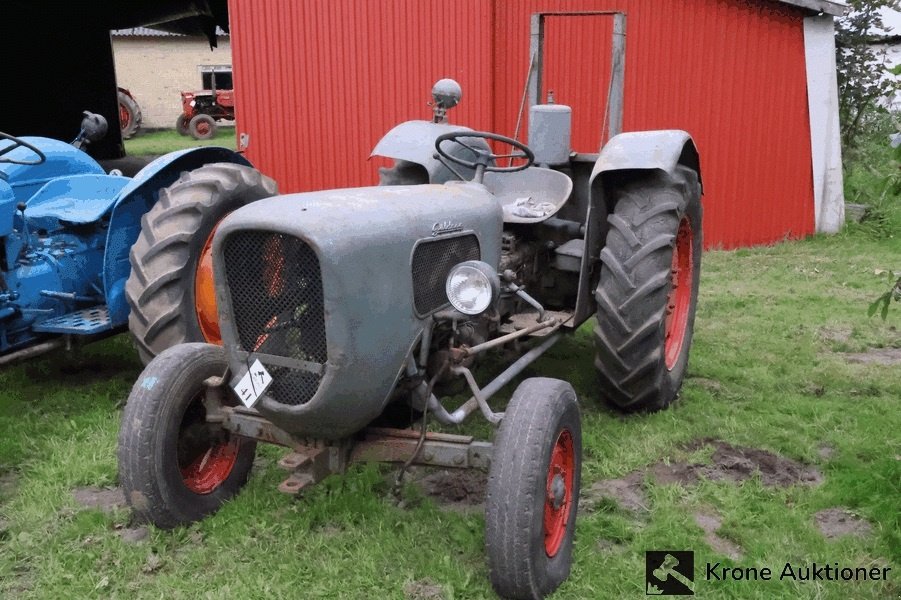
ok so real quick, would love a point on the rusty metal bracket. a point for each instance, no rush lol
(308, 465)
(249, 423)
(438, 450)
(311, 460)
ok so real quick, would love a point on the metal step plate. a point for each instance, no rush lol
(81, 322)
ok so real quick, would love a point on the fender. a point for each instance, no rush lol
(133, 202)
(414, 141)
(662, 150)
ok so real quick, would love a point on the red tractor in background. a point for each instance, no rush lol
(130, 117)
(202, 109)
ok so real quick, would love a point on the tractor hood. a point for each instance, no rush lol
(331, 290)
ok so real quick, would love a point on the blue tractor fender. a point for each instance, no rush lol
(133, 202)
(662, 150)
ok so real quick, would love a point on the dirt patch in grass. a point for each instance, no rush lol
(134, 535)
(454, 489)
(728, 463)
(839, 522)
(875, 356)
(710, 522)
(737, 463)
(9, 482)
(424, 589)
(627, 492)
(835, 335)
(825, 452)
(605, 546)
(105, 499)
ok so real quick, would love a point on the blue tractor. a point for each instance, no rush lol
(85, 253)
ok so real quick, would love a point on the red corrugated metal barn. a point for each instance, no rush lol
(320, 81)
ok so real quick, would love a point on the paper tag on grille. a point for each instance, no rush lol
(253, 384)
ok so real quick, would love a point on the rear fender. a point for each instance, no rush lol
(664, 150)
(647, 151)
(414, 141)
(133, 202)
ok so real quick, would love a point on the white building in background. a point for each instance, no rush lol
(156, 66)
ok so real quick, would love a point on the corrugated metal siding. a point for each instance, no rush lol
(319, 81)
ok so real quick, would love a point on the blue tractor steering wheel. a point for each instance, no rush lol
(17, 142)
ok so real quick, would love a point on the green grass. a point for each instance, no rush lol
(161, 142)
(767, 371)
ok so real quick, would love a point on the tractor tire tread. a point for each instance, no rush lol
(634, 286)
(160, 288)
(515, 490)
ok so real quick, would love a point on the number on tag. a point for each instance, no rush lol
(253, 384)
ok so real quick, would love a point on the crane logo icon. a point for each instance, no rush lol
(669, 572)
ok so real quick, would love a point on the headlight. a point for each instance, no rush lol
(472, 287)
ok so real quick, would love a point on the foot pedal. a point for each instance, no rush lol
(87, 321)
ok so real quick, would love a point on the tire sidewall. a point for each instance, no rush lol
(556, 568)
(181, 124)
(692, 209)
(165, 407)
(202, 118)
(519, 566)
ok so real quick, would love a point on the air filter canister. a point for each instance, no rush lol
(550, 129)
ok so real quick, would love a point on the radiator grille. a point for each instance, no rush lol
(432, 262)
(275, 285)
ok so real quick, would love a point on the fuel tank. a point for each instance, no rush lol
(330, 291)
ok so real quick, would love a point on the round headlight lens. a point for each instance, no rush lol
(472, 287)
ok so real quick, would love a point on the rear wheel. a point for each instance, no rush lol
(170, 289)
(174, 466)
(181, 124)
(130, 117)
(533, 490)
(202, 127)
(648, 291)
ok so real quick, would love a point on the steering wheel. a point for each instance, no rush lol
(16, 142)
(483, 158)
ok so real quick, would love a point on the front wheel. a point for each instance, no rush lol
(170, 289)
(533, 490)
(175, 467)
(648, 290)
(202, 127)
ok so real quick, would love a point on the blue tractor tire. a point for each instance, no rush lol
(162, 289)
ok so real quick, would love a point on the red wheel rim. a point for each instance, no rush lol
(205, 294)
(678, 304)
(204, 458)
(124, 117)
(558, 495)
(203, 128)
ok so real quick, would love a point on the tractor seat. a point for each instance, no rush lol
(529, 196)
(77, 199)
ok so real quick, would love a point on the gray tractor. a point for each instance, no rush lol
(349, 315)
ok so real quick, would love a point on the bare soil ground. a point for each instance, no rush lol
(106, 499)
(710, 521)
(424, 589)
(452, 489)
(728, 463)
(876, 356)
(839, 522)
